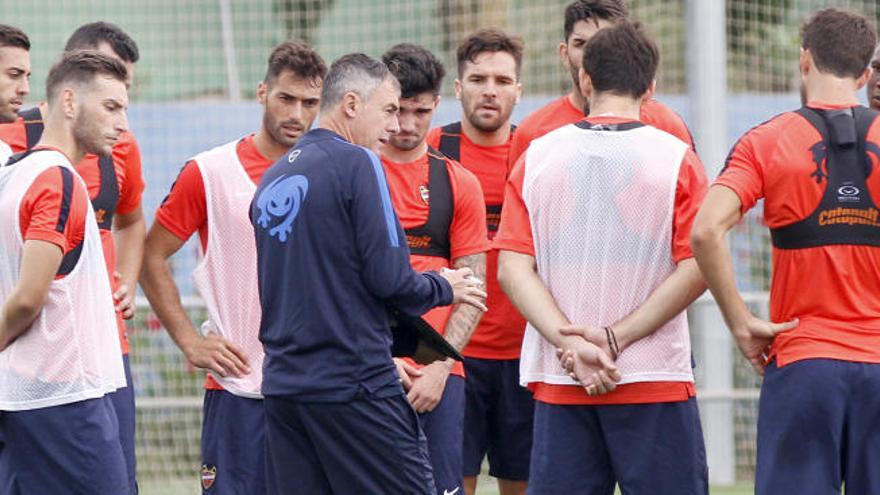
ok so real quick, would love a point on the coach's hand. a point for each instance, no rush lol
(123, 299)
(466, 289)
(590, 366)
(427, 390)
(406, 373)
(213, 352)
(754, 336)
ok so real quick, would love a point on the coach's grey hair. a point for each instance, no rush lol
(355, 73)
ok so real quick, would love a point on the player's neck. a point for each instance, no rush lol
(267, 147)
(577, 100)
(616, 106)
(61, 138)
(482, 138)
(831, 90)
(398, 155)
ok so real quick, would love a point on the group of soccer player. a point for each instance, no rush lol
(558, 257)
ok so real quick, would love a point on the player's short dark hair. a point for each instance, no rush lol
(82, 66)
(89, 36)
(13, 37)
(299, 58)
(489, 40)
(841, 42)
(621, 59)
(353, 73)
(593, 10)
(416, 69)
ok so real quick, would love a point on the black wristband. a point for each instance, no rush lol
(612, 342)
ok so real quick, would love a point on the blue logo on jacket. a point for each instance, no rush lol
(282, 198)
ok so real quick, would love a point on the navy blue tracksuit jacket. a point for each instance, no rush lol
(331, 254)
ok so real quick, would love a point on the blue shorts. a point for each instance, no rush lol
(818, 428)
(443, 430)
(367, 445)
(648, 449)
(497, 419)
(123, 404)
(233, 444)
(72, 448)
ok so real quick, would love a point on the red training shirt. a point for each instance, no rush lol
(467, 232)
(500, 332)
(560, 112)
(834, 290)
(54, 210)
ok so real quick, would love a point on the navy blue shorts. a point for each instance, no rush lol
(819, 427)
(497, 419)
(72, 448)
(233, 444)
(123, 404)
(367, 445)
(443, 430)
(648, 449)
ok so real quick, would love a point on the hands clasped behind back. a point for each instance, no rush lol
(587, 359)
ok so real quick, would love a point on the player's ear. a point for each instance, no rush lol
(351, 103)
(805, 61)
(863, 79)
(585, 83)
(262, 93)
(457, 86)
(68, 102)
(436, 101)
(563, 54)
(649, 94)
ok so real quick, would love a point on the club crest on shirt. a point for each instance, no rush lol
(282, 199)
(425, 194)
(209, 474)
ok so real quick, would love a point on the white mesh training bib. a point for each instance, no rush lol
(226, 276)
(71, 351)
(5, 153)
(600, 204)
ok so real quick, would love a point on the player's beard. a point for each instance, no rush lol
(488, 125)
(410, 142)
(7, 114)
(275, 129)
(89, 137)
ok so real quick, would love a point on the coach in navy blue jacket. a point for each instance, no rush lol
(331, 256)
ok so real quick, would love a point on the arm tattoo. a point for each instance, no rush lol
(464, 318)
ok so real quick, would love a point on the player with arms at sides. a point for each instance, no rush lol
(212, 196)
(15, 72)
(583, 19)
(872, 89)
(816, 169)
(595, 253)
(59, 345)
(331, 256)
(498, 412)
(116, 185)
(440, 207)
